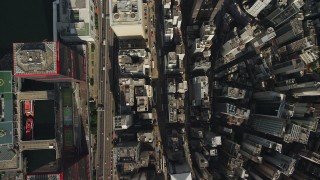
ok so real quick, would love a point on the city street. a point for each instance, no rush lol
(105, 99)
(104, 163)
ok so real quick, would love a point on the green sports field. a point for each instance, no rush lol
(67, 116)
(67, 97)
(5, 82)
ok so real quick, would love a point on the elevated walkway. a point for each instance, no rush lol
(38, 145)
(36, 95)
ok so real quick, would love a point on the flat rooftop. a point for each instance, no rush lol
(57, 176)
(6, 108)
(77, 3)
(38, 58)
(179, 170)
(126, 11)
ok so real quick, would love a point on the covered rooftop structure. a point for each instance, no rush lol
(8, 156)
(127, 14)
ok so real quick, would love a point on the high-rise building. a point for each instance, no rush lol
(263, 38)
(283, 163)
(198, 46)
(217, 6)
(264, 142)
(288, 67)
(234, 115)
(211, 139)
(134, 62)
(296, 46)
(122, 122)
(76, 20)
(126, 18)
(269, 96)
(289, 31)
(201, 161)
(257, 7)
(201, 10)
(173, 63)
(306, 89)
(233, 92)
(310, 55)
(274, 109)
(207, 31)
(279, 16)
(48, 62)
(230, 147)
(127, 152)
(179, 170)
(200, 91)
(267, 171)
(269, 125)
(233, 47)
(251, 151)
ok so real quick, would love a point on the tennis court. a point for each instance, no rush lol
(67, 116)
(68, 138)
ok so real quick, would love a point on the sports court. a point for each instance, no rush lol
(67, 97)
(68, 134)
(6, 102)
(5, 82)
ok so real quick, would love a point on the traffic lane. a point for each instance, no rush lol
(108, 125)
(101, 95)
(108, 118)
(107, 146)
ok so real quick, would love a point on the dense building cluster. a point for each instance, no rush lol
(170, 89)
(262, 89)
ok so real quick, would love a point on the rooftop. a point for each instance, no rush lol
(38, 58)
(142, 103)
(56, 176)
(122, 122)
(128, 151)
(145, 136)
(126, 11)
(76, 3)
(133, 52)
(200, 90)
(176, 108)
(180, 170)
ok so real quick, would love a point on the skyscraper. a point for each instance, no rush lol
(48, 62)
(126, 18)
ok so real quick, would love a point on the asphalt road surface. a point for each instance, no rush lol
(104, 162)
